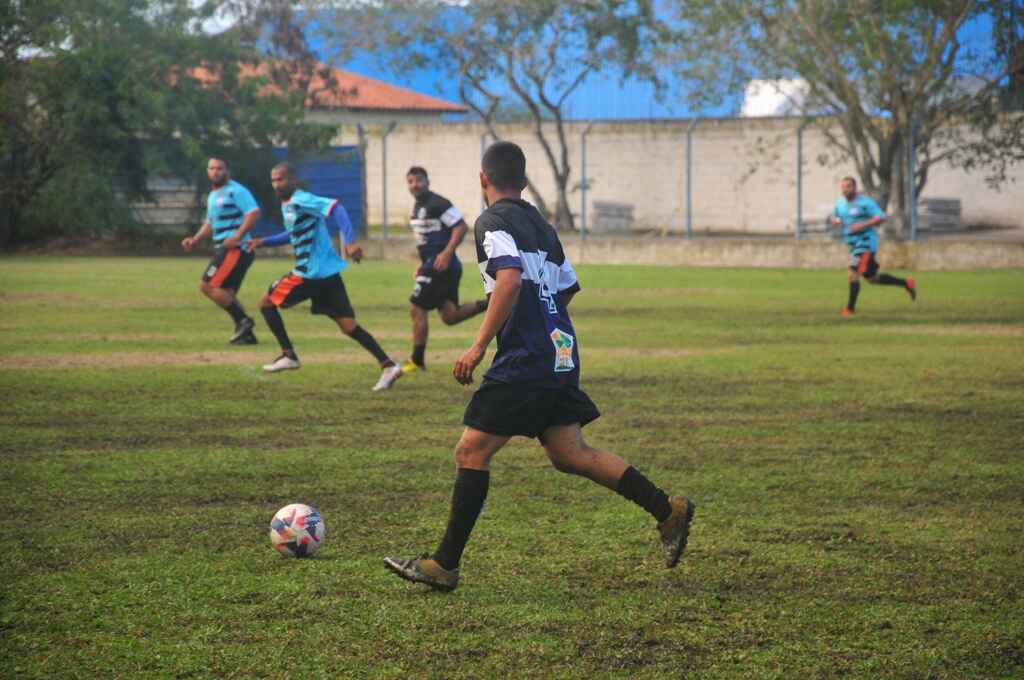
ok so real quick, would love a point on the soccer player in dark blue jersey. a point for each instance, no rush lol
(858, 215)
(316, 275)
(231, 212)
(439, 230)
(532, 387)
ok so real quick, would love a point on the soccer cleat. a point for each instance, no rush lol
(388, 377)
(912, 289)
(242, 328)
(424, 569)
(847, 312)
(411, 366)
(676, 529)
(247, 339)
(282, 363)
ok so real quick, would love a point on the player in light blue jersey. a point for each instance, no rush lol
(316, 275)
(231, 212)
(858, 215)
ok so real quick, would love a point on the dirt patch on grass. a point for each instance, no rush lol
(253, 358)
(975, 330)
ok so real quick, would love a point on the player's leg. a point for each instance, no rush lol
(569, 453)
(420, 330)
(875, 277)
(452, 314)
(331, 298)
(858, 265)
(473, 456)
(284, 292)
(449, 308)
(219, 283)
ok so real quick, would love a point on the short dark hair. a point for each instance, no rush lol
(218, 158)
(418, 171)
(850, 179)
(287, 168)
(504, 163)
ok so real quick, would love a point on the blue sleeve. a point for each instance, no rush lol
(278, 239)
(873, 209)
(246, 203)
(341, 218)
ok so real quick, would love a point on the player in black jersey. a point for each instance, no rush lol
(532, 387)
(439, 230)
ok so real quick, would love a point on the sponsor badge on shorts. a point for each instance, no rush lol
(563, 343)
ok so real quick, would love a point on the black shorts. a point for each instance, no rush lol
(518, 410)
(328, 295)
(433, 288)
(864, 264)
(227, 268)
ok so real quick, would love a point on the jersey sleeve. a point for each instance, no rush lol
(567, 281)
(872, 207)
(451, 216)
(496, 248)
(317, 204)
(344, 224)
(246, 203)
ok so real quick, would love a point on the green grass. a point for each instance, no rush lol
(860, 484)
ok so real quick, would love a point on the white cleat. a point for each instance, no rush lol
(282, 363)
(388, 377)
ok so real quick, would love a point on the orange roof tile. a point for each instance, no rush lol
(349, 91)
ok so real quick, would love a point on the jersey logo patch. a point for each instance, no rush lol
(563, 343)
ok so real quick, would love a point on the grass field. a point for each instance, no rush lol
(860, 484)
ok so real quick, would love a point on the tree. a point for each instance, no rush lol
(876, 71)
(96, 96)
(529, 56)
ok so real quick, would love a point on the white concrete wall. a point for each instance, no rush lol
(743, 173)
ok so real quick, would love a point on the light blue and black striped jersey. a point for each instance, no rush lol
(226, 209)
(861, 208)
(537, 343)
(305, 218)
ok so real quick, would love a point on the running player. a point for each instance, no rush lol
(317, 272)
(858, 215)
(439, 230)
(231, 212)
(532, 387)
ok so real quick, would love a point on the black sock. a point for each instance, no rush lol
(370, 345)
(637, 488)
(236, 311)
(481, 305)
(854, 291)
(887, 280)
(276, 325)
(468, 498)
(417, 355)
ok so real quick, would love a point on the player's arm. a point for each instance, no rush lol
(347, 231)
(507, 283)
(877, 218)
(189, 242)
(278, 239)
(444, 258)
(248, 223)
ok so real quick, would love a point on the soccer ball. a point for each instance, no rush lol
(297, 530)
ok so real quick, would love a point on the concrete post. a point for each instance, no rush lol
(583, 181)
(689, 177)
(384, 177)
(800, 178)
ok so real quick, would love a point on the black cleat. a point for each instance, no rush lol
(247, 339)
(424, 569)
(243, 328)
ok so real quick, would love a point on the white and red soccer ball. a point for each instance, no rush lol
(297, 530)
